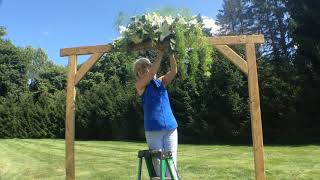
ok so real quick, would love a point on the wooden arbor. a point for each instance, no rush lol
(248, 67)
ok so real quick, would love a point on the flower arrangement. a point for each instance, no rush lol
(183, 34)
(153, 28)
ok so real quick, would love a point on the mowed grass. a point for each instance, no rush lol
(44, 159)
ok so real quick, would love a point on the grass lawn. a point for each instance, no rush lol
(44, 159)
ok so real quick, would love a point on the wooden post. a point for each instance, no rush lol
(255, 112)
(70, 116)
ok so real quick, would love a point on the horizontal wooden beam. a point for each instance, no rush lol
(221, 40)
(232, 40)
(84, 50)
(143, 46)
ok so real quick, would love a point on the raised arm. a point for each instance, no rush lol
(156, 65)
(167, 78)
(144, 81)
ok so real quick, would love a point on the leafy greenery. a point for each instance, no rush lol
(32, 93)
(209, 96)
(285, 71)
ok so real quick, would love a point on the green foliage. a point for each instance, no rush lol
(267, 17)
(209, 95)
(13, 68)
(32, 93)
(2, 32)
(288, 67)
(105, 111)
(305, 23)
(181, 51)
(235, 18)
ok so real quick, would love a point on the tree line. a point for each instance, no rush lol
(209, 95)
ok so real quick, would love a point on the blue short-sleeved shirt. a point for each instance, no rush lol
(156, 106)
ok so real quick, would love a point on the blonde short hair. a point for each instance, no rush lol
(140, 61)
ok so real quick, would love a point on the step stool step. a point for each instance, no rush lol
(158, 178)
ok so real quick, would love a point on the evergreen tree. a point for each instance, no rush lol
(234, 18)
(306, 24)
(14, 65)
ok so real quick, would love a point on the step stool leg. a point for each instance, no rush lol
(139, 168)
(150, 167)
(172, 169)
(162, 169)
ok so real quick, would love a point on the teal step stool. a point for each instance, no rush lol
(165, 161)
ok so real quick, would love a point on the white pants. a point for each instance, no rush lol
(163, 141)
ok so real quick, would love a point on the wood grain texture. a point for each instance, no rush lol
(221, 40)
(233, 57)
(85, 67)
(232, 40)
(255, 112)
(85, 50)
(70, 117)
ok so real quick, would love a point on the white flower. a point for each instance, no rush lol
(135, 38)
(117, 41)
(154, 19)
(154, 23)
(122, 30)
(149, 18)
(181, 20)
(193, 22)
(159, 20)
(165, 30)
(169, 19)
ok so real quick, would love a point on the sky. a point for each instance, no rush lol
(55, 24)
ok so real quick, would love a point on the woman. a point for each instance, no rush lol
(159, 122)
